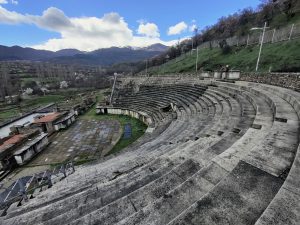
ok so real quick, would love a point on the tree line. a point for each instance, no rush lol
(16, 77)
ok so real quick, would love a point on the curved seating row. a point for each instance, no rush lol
(228, 157)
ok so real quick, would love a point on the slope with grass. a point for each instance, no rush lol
(282, 56)
(10, 111)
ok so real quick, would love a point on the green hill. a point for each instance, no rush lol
(236, 29)
(282, 56)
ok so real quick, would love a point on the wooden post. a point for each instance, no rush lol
(248, 40)
(292, 29)
(274, 31)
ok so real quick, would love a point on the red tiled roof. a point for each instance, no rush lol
(11, 141)
(48, 118)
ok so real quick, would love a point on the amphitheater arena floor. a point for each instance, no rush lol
(85, 138)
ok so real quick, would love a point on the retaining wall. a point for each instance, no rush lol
(127, 112)
(286, 80)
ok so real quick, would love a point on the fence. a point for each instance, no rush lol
(20, 189)
(271, 36)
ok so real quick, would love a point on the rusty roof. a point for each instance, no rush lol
(12, 141)
(48, 118)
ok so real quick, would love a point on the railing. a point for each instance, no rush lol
(27, 186)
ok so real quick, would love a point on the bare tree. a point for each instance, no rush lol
(6, 87)
(289, 8)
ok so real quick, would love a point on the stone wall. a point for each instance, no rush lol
(286, 80)
(128, 112)
(171, 79)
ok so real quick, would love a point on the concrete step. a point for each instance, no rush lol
(166, 208)
(138, 199)
(238, 199)
(108, 193)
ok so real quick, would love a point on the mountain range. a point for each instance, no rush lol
(103, 57)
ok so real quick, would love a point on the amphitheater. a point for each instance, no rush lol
(215, 153)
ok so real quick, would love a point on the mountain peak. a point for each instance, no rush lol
(155, 47)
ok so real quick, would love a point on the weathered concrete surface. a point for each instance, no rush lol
(86, 138)
(239, 199)
(137, 199)
(177, 200)
(284, 210)
(194, 171)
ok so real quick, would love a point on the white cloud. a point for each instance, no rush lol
(14, 2)
(11, 17)
(148, 29)
(178, 28)
(85, 33)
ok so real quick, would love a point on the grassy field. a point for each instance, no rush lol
(42, 100)
(138, 128)
(10, 111)
(8, 114)
(283, 56)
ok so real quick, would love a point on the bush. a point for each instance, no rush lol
(226, 49)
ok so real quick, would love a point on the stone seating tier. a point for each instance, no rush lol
(228, 158)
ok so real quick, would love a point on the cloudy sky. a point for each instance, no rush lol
(92, 24)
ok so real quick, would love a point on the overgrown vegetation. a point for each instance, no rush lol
(26, 105)
(282, 56)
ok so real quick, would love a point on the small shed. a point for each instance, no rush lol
(65, 122)
(55, 121)
(47, 122)
(29, 149)
(18, 149)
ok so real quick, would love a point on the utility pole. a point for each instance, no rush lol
(261, 43)
(197, 59)
(113, 88)
(195, 36)
(146, 67)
